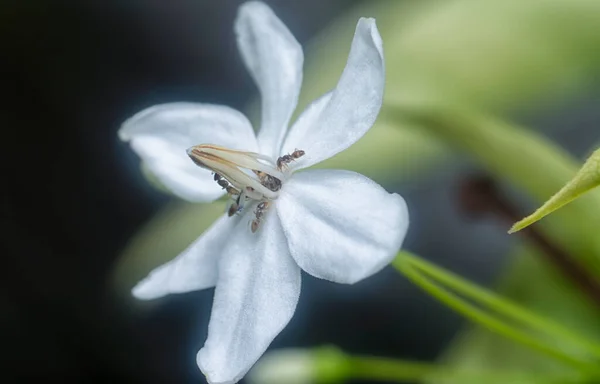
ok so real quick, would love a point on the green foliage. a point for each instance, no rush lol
(161, 239)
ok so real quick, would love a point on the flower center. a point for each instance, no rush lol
(245, 175)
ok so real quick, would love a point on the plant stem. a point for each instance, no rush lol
(385, 369)
(500, 305)
(405, 264)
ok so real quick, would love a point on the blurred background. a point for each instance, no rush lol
(74, 197)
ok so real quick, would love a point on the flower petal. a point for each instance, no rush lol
(161, 134)
(194, 269)
(256, 295)
(353, 106)
(274, 59)
(340, 225)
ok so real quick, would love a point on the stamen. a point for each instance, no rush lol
(243, 159)
(245, 176)
(229, 164)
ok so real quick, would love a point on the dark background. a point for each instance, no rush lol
(72, 195)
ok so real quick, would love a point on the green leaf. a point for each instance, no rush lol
(499, 55)
(587, 177)
(496, 55)
(169, 232)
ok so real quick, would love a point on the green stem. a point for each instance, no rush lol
(499, 304)
(375, 368)
(487, 320)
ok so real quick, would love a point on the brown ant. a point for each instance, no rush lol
(284, 160)
(259, 212)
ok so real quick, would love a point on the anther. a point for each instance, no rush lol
(232, 166)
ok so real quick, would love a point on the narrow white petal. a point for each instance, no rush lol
(340, 225)
(256, 295)
(274, 59)
(161, 134)
(337, 123)
(194, 269)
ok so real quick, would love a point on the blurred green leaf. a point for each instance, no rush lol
(387, 153)
(161, 239)
(499, 55)
(587, 177)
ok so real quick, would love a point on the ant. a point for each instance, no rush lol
(284, 160)
(259, 212)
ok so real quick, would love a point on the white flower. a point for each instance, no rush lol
(335, 225)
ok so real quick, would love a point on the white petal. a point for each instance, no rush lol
(274, 59)
(256, 295)
(161, 134)
(340, 225)
(352, 108)
(195, 268)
